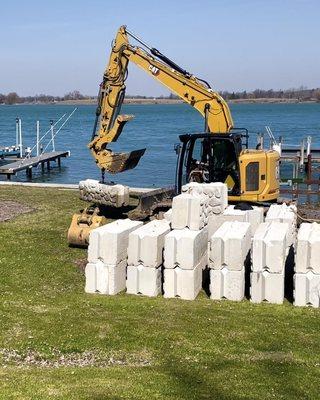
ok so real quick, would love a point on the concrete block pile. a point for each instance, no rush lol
(145, 258)
(255, 216)
(107, 257)
(109, 195)
(307, 266)
(229, 249)
(268, 256)
(285, 214)
(197, 202)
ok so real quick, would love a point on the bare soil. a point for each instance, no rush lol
(309, 212)
(11, 209)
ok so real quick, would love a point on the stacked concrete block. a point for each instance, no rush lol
(107, 257)
(185, 257)
(229, 249)
(145, 258)
(109, 195)
(168, 215)
(255, 217)
(285, 214)
(197, 203)
(307, 266)
(268, 255)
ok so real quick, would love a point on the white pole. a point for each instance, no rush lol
(20, 137)
(52, 136)
(309, 139)
(38, 137)
(17, 132)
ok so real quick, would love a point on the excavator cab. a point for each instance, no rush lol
(224, 157)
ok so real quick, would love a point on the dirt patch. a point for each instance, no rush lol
(309, 212)
(11, 209)
(81, 264)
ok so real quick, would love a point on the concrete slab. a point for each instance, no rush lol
(230, 245)
(109, 243)
(226, 284)
(188, 211)
(168, 215)
(267, 287)
(307, 289)
(110, 195)
(186, 249)
(144, 280)
(182, 283)
(285, 214)
(146, 244)
(105, 279)
(269, 247)
(217, 192)
(308, 248)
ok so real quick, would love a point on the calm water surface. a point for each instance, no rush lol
(155, 127)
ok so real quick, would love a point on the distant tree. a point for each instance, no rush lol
(12, 98)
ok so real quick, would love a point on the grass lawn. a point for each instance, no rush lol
(58, 342)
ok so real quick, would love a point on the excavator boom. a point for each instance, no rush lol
(192, 90)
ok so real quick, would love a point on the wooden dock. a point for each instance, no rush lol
(29, 162)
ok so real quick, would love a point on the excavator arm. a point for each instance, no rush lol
(192, 90)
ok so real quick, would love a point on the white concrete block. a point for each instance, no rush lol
(144, 280)
(110, 195)
(308, 248)
(217, 192)
(182, 283)
(269, 247)
(186, 249)
(226, 284)
(230, 245)
(188, 211)
(307, 289)
(105, 279)
(168, 215)
(109, 242)
(266, 286)
(285, 214)
(146, 244)
(255, 217)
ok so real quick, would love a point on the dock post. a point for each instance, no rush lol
(309, 174)
(48, 165)
(17, 132)
(59, 162)
(38, 137)
(302, 154)
(52, 135)
(20, 137)
(309, 139)
(42, 167)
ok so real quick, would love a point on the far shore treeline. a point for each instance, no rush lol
(299, 94)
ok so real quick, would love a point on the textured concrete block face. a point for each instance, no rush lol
(226, 284)
(269, 247)
(230, 245)
(144, 280)
(105, 279)
(109, 243)
(182, 283)
(147, 242)
(109, 195)
(186, 249)
(268, 287)
(285, 214)
(308, 248)
(254, 217)
(307, 289)
(216, 193)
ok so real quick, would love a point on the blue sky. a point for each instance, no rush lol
(57, 46)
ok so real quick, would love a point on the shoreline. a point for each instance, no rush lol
(133, 101)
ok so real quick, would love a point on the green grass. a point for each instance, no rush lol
(142, 348)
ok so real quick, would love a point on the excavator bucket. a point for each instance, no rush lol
(119, 162)
(81, 226)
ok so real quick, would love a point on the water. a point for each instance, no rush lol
(155, 127)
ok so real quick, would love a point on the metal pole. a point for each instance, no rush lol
(38, 137)
(52, 136)
(20, 137)
(309, 139)
(17, 132)
(302, 154)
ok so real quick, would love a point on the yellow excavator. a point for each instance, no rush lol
(219, 154)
